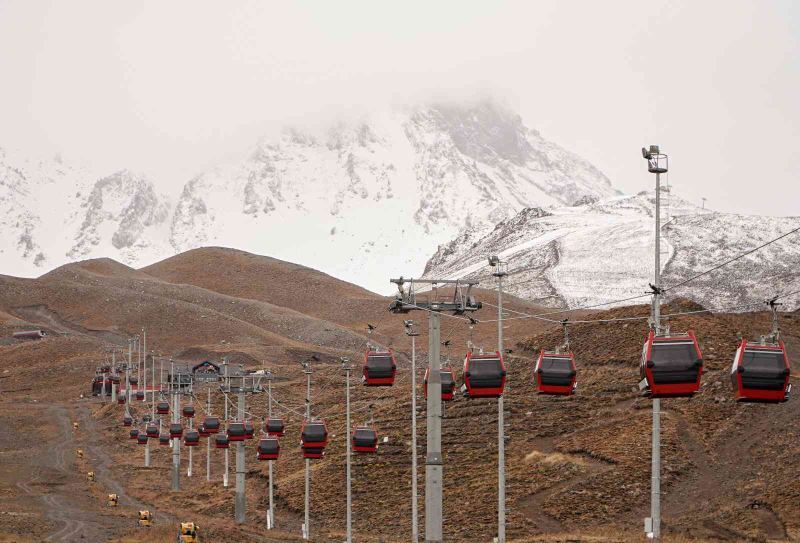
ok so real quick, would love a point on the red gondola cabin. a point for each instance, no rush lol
(484, 375)
(211, 425)
(142, 438)
(268, 448)
(760, 372)
(365, 439)
(164, 440)
(236, 431)
(671, 365)
(313, 438)
(162, 408)
(188, 411)
(379, 369)
(555, 373)
(133, 434)
(192, 438)
(175, 431)
(275, 427)
(221, 441)
(152, 431)
(448, 383)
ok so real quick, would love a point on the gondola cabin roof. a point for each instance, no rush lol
(380, 368)
(555, 373)
(671, 364)
(761, 372)
(484, 375)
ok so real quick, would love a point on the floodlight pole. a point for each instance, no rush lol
(657, 164)
(307, 520)
(271, 510)
(347, 369)
(500, 272)
(114, 372)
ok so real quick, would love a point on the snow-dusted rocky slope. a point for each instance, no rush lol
(602, 251)
(363, 201)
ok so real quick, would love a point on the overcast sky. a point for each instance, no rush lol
(170, 87)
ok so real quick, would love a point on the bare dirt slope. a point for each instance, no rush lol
(578, 467)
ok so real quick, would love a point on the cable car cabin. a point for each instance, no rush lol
(221, 441)
(202, 430)
(268, 448)
(249, 430)
(379, 369)
(275, 427)
(134, 433)
(555, 373)
(127, 421)
(188, 411)
(152, 431)
(192, 438)
(313, 452)
(121, 399)
(162, 408)
(365, 440)
(175, 430)
(313, 435)
(211, 424)
(141, 439)
(140, 395)
(448, 384)
(484, 375)
(236, 431)
(163, 440)
(671, 365)
(760, 372)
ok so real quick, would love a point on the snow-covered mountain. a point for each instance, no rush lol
(363, 201)
(52, 212)
(602, 251)
(372, 199)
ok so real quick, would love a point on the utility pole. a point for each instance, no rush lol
(128, 380)
(461, 302)
(347, 369)
(657, 163)
(307, 520)
(271, 510)
(176, 442)
(499, 271)
(413, 333)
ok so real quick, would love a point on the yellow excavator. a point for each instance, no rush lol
(90, 476)
(145, 519)
(188, 533)
(113, 500)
